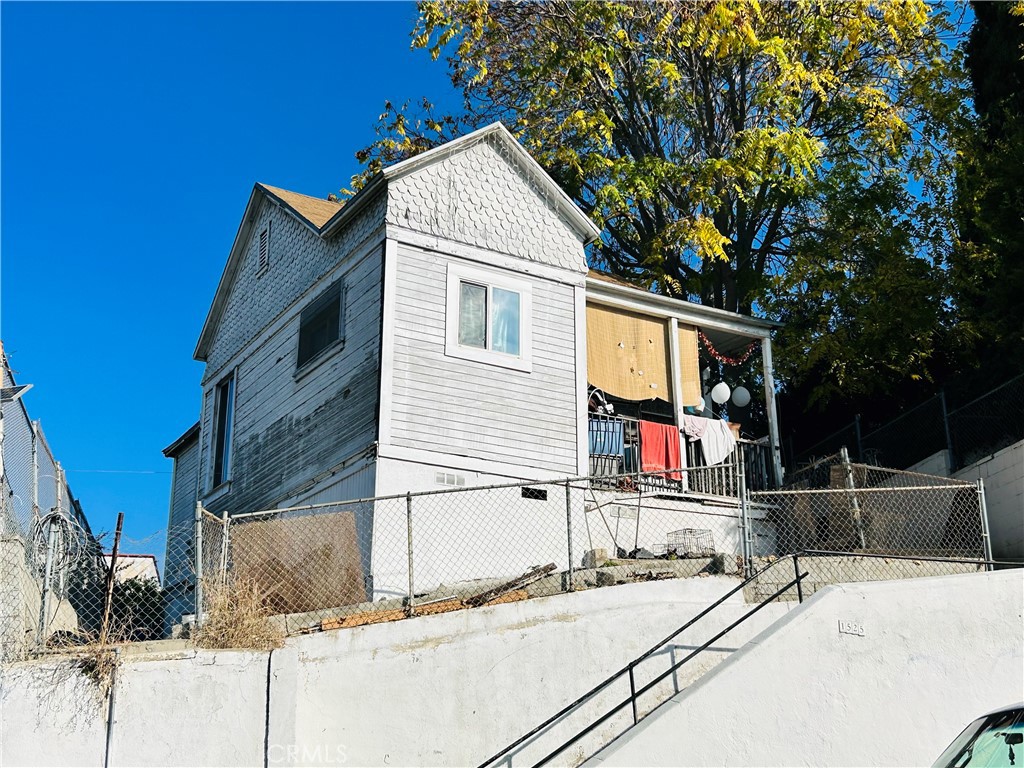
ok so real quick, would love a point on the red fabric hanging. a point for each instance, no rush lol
(659, 449)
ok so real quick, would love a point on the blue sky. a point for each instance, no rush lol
(130, 138)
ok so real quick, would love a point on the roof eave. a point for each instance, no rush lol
(187, 437)
(597, 287)
(234, 256)
(355, 204)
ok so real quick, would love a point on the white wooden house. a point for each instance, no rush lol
(429, 333)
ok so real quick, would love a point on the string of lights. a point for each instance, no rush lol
(725, 359)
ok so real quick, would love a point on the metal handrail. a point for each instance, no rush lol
(635, 693)
(628, 669)
(885, 556)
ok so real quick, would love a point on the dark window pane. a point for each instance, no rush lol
(225, 405)
(320, 325)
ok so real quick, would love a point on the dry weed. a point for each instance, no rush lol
(237, 617)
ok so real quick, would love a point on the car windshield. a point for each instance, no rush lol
(996, 739)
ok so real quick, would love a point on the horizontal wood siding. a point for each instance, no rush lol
(290, 433)
(181, 525)
(466, 408)
(178, 577)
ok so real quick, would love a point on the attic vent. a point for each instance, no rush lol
(264, 261)
(449, 478)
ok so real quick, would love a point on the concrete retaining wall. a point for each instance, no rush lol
(880, 674)
(448, 689)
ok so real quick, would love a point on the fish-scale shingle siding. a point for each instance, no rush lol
(481, 197)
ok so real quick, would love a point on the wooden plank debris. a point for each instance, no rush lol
(509, 592)
(520, 581)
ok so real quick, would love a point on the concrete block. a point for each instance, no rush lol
(594, 558)
(725, 563)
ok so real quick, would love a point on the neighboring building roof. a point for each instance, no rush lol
(315, 210)
(190, 436)
(133, 567)
(606, 278)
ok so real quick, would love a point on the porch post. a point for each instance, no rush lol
(770, 406)
(676, 372)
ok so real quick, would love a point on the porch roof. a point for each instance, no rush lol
(729, 332)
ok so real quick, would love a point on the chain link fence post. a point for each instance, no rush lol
(985, 538)
(568, 533)
(199, 564)
(411, 609)
(746, 544)
(35, 473)
(851, 486)
(224, 549)
(44, 600)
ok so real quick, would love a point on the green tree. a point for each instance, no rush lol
(987, 269)
(862, 310)
(714, 141)
(693, 132)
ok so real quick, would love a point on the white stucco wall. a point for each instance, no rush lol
(443, 690)
(196, 708)
(1003, 473)
(453, 689)
(473, 534)
(934, 654)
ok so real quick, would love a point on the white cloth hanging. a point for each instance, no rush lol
(717, 441)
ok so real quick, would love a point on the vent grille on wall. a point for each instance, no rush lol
(449, 478)
(264, 260)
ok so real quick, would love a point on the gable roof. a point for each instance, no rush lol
(576, 218)
(313, 209)
(325, 217)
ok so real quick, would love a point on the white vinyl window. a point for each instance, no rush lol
(488, 317)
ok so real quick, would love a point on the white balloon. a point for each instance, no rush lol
(741, 397)
(699, 407)
(720, 392)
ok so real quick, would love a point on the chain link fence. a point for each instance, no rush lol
(374, 560)
(988, 424)
(926, 525)
(50, 562)
(348, 564)
(60, 586)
